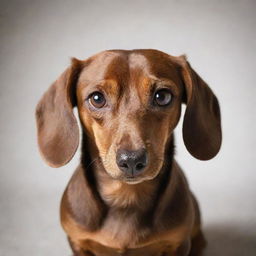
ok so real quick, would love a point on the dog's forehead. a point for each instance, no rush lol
(129, 66)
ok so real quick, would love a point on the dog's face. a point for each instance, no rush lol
(129, 102)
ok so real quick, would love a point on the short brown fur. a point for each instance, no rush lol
(102, 212)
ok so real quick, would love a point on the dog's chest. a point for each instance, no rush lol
(122, 230)
(121, 236)
(124, 235)
(156, 249)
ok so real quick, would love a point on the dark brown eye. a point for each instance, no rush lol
(97, 100)
(163, 97)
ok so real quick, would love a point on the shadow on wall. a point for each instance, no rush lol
(231, 240)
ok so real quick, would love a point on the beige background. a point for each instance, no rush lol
(37, 40)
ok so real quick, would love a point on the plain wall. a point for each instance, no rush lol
(37, 40)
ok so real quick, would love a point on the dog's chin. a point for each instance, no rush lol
(138, 179)
(133, 180)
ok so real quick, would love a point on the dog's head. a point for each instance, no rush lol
(129, 103)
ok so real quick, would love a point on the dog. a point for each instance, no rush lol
(128, 195)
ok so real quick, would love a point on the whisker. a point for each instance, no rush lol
(94, 160)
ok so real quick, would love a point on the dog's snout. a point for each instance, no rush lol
(131, 162)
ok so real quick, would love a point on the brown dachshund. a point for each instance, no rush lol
(128, 196)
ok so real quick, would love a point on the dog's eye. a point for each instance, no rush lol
(163, 97)
(97, 99)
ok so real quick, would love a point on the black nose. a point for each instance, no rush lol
(131, 162)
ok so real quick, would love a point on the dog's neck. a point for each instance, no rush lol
(122, 195)
(118, 194)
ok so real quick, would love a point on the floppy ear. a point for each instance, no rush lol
(202, 124)
(57, 128)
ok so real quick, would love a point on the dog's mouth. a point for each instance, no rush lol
(131, 180)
